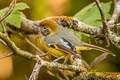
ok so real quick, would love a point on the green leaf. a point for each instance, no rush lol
(21, 6)
(14, 18)
(0, 28)
(90, 14)
(2, 12)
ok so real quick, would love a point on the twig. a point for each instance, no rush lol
(26, 78)
(3, 27)
(10, 9)
(101, 13)
(64, 67)
(64, 75)
(36, 69)
(104, 22)
(28, 26)
(6, 56)
(97, 76)
(34, 46)
(116, 13)
(15, 49)
(115, 26)
(98, 59)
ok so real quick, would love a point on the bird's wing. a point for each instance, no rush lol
(65, 46)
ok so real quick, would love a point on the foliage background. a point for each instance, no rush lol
(16, 68)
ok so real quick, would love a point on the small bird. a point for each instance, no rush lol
(60, 41)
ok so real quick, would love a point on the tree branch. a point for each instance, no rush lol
(15, 49)
(10, 54)
(36, 69)
(29, 56)
(105, 29)
(108, 33)
(73, 23)
(29, 26)
(97, 76)
(47, 64)
(116, 12)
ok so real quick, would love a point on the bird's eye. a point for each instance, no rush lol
(45, 31)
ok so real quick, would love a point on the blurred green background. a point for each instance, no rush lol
(18, 68)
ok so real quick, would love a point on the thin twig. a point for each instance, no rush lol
(10, 9)
(10, 54)
(98, 59)
(104, 22)
(3, 28)
(34, 46)
(116, 13)
(115, 26)
(102, 16)
(15, 49)
(101, 11)
(26, 78)
(64, 75)
(36, 69)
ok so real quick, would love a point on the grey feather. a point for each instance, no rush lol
(60, 33)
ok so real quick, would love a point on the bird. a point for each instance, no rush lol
(60, 41)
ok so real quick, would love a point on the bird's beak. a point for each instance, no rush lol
(99, 48)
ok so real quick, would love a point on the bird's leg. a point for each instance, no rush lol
(59, 58)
